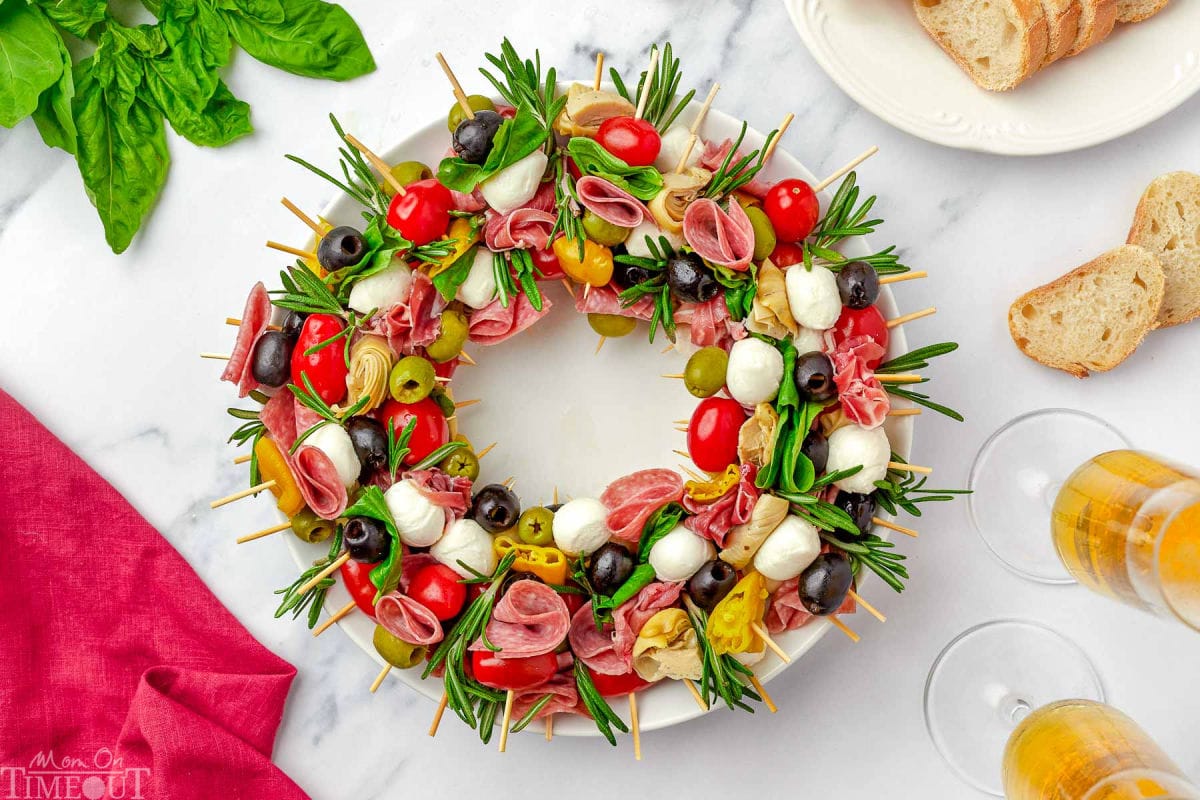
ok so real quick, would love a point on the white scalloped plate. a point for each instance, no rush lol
(558, 430)
(879, 54)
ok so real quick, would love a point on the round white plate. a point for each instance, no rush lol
(570, 419)
(879, 54)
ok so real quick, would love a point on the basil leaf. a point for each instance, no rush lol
(31, 59)
(76, 16)
(386, 574)
(448, 280)
(53, 116)
(592, 159)
(313, 38)
(660, 523)
(265, 10)
(515, 139)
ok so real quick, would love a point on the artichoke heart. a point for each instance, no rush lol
(587, 108)
(667, 647)
(770, 313)
(370, 366)
(678, 192)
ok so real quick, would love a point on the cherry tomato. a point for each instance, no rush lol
(547, 263)
(786, 254)
(634, 141)
(445, 369)
(792, 208)
(326, 369)
(430, 432)
(512, 673)
(867, 322)
(617, 685)
(573, 168)
(437, 588)
(595, 268)
(357, 577)
(574, 602)
(713, 433)
(422, 213)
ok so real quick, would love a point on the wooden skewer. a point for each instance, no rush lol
(466, 403)
(234, 321)
(325, 573)
(243, 459)
(599, 72)
(508, 705)
(892, 323)
(696, 694)
(899, 378)
(485, 450)
(681, 453)
(243, 493)
(667, 349)
(695, 476)
(645, 95)
(437, 715)
(682, 421)
(870, 151)
(510, 481)
(305, 218)
(217, 356)
(440, 379)
(587, 289)
(694, 130)
(898, 467)
(341, 613)
(783, 126)
(681, 428)
(379, 164)
(570, 289)
(550, 727)
(883, 523)
(383, 673)
(872, 610)
(635, 727)
(770, 643)
(250, 537)
(844, 628)
(600, 344)
(904, 412)
(762, 692)
(904, 276)
(465, 357)
(461, 97)
(295, 251)
(675, 376)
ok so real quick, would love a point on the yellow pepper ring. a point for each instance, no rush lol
(273, 466)
(548, 563)
(703, 491)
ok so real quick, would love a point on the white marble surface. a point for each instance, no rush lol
(103, 350)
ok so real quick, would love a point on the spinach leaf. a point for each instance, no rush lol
(53, 115)
(386, 574)
(592, 159)
(76, 16)
(313, 38)
(30, 59)
(515, 139)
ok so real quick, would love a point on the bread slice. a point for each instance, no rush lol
(1097, 22)
(999, 43)
(1138, 10)
(1062, 23)
(1167, 223)
(1093, 317)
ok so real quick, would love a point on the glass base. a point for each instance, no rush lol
(1016, 477)
(987, 680)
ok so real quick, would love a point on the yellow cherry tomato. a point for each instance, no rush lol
(596, 266)
(273, 466)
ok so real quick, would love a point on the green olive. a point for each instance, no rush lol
(601, 231)
(308, 527)
(612, 325)
(477, 102)
(461, 463)
(412, 379)
(395, 651)
(451, 336)
(407, 172)
(704, 374)
(536, 526)
(764, 233)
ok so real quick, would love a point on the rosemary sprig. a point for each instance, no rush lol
(531, 714)
(833, 477)
(719, 673)
(916, 359)
(360, 182)
(825, 516)
(398, 446)
(314, 598)
(436, 457)
(597, 707)
(526, 276)
(846, 217)
(304, 292)
(661, 106)
(506, 287)
(251, 428)
(655, 286)
(310, 399)
(907, 491)
(433, 252)
(521, 83)
(922, 400)
(566, 202)
(884, 262)
(729, 178)
(875, 554)
(346, 335)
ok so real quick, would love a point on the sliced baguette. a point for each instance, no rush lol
(1093, 317)
(999, 43)
(1138, 10)
(1062, 23)
(1167, 223)
(1096, 23)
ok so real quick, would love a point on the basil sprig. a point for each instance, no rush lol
(385, 576)
(592, 159)
(515, 139)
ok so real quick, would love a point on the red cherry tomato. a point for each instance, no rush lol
(437, 588)
(546, 262)
(430, 432)
(573, 601)
(867, 322)
(573, 168)
(792, 208)
(445, 369)
(634, 141)
(617, 685)
(512, 673)
(422, 213)
(786, 254)
(357, 577)
(326, 369)
(713, 433)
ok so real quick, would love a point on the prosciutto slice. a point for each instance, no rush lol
(710, 324)
(631, 616)
(863, 398)
(494, 323)
(604, 300)
(319, 483)
(278, 416)
(786, 613)
(595, 647)
(714, 155)
(469, 203)
(451, 493)
(411, 564)
(525, 228)
(611, 203)
(531, 619)
(255, 317)
(716, 518)
(565, 698)
(632, 499)
(415, 321)
(408, 620)
(721, 237)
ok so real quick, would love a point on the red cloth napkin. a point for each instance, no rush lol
(121, 673)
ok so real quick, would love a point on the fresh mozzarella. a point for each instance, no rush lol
(683, 344)
(467, 542)
(635, 243)
(853, 445)
(674, 142)
(580, 528)
(418, 520)
(808, 340)
(381, 290)
(333, 441)
(792, 546)
(479, 289)
(755, 371)
(813, 296)
(514, 186)
(680, 554)
(750, 657)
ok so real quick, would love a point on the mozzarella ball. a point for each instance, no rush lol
(674, 142)
(479, 289)
(419, 520)
(750, 657)
(333, 441)
(813, 296)
(852, 445)
(467, 542)
(580, 527)
(514, 186)
(808, 341)
(792, 546)
(381, 290)
(754, 373)
(680, 554)
(635, 243)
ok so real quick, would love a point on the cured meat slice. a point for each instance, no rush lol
(255, 317)
(611, 203)
(451, 493)
(632, 499)
(411, 564)
(525, 228)
(278, 416)
(631, 616)
(715, 519)
(494, 323)
(565, 698)
(531, 619)
(863, 398)
(722, 237)
(415, 321)
(303, 416)
(710, 324)
(604, 300)
(786, 613)
(408, 620)
(319, 483)
(595, 647)
(714, 155)
(467, 202)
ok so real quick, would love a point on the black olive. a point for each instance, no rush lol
(292, 324)
(858, 284)
(816, 447)
(271, 362)
(366, 539)
(860, 507)
(610, 567)
(473, 137)
(814, 377)
(690, 279)
(627, 275)
(825, 583)
(370, 445)
(495, 508)
(341, 247)
(710, 585)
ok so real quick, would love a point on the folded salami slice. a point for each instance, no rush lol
(595, 647)
(564, 700)
(630, 617)
(611, 203)
(255, 317)
(531, 619)
(863, 398)
(494, 323)
(278, 416)
(408, 620)
(715, 519)
(319, 483)
(604, 300)
(525, 228)
(632, 499)
(721, 237)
